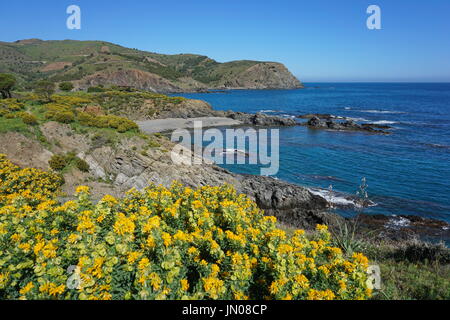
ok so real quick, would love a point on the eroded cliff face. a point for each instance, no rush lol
(134, 78)
(266, 75)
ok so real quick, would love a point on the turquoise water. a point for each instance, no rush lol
(408, 172)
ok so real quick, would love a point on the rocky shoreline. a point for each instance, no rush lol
(114, 168)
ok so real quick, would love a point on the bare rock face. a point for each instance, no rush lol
(130, 78)
(23, 151)
(293, 205)
(265, 75)
(186, 109)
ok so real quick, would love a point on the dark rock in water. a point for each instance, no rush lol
(374, 125)
(324, 116)
(347, 125)
(406, 227)
(293, 205)
(260, 119)
(315, 122)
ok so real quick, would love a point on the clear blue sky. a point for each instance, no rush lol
(320, 40)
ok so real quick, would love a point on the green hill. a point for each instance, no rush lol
(89, 63)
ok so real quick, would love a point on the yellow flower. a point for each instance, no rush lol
(15, 237)
(320, 295)
(151, 242)
(302, 281)
(96, 269)
(27, 288)
(167, 239)
(82, 189)
(213, 286)
(197, 204)
(285, 248)
(25, 247)
(133, 256)
(54, 291)
(143, 264)
(152, 223)
(38, 247)
(324, 269)
(184, 284)
(361, 259)
(342, 285)
(155, 281)
(123, 225)
(277, 285)
(110, 200)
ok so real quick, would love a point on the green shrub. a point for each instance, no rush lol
(70, 156)
(95, 89)
(66, 86)
(64, 117)
(28, 118)
(82, 165)
(59, 112)
(57, 162)
(153, 144)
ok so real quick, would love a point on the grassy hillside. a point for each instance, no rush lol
(71, 60)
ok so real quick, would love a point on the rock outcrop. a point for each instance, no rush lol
(265, 75)
(345, 125)
(293, 205)
(260, 119)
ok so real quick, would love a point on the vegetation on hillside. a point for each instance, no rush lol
(69, 60)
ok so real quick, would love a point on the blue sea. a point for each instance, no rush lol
(407, 172)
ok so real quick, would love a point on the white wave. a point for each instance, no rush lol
(397, 223)
(437, 145)
(269, 111)
(385, 122)
(358, 119)
(348, 108)
(381, 111)
(335, 199)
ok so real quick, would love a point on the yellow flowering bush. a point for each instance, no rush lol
(160, 243)
(10, 106)
(28, 186)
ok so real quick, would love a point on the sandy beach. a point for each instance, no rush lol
(163, 125)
